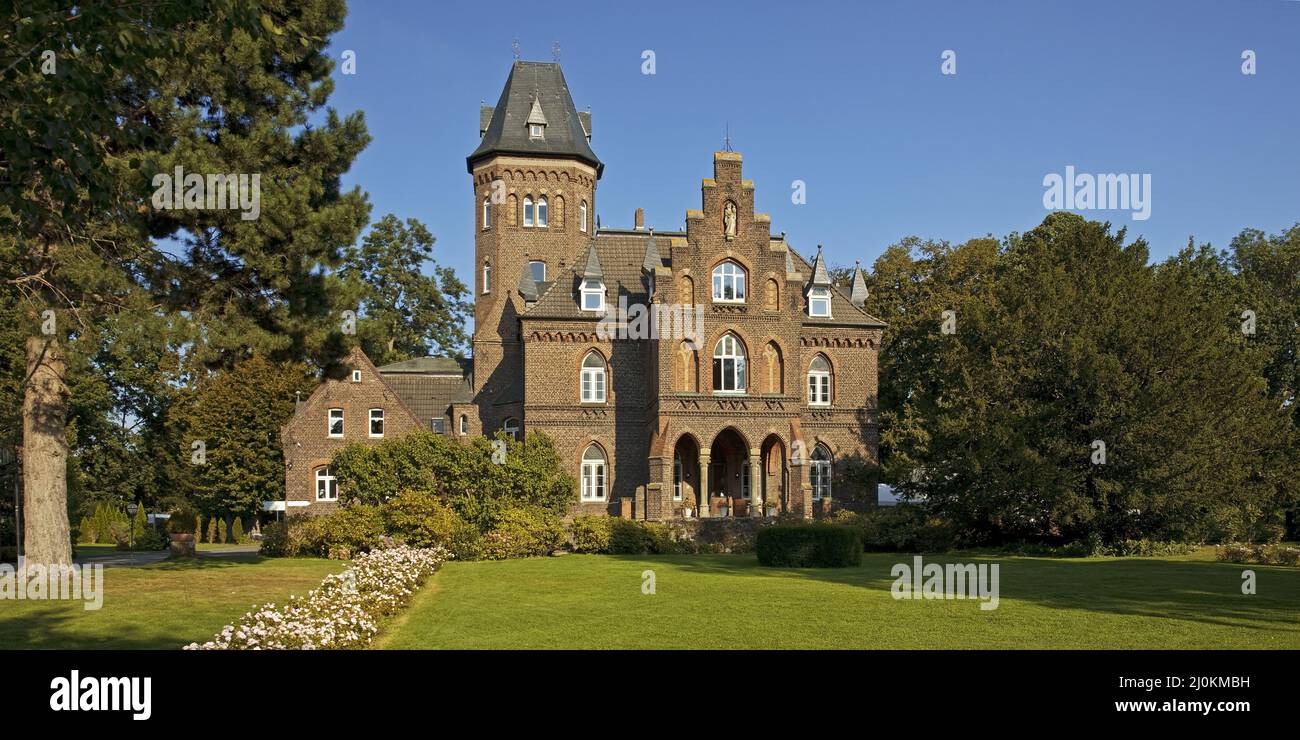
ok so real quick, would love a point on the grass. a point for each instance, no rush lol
(728, 601)
(166, 605)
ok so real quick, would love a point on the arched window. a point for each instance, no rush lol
(593, 474)
(729, 365)
(538, 269)
(819, 382)
(582, 216)
(541, 212)
(464, 424)
(487, 277)
(729, 283)
(327, 486)
(487, 213)
(677, 477)
(528, 210)
(511, 427)
(819, 470)
(593, 378)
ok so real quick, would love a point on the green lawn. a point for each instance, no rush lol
(166, 605)
(728, 601)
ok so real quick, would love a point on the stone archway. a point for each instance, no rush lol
(728, 473)
(686, 474)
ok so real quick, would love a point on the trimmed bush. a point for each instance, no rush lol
(237, 532)
(85, 532)
(809, 546)
(590, 534)
(214, 532)
(421, 519)
(630, 537)
(522, 533)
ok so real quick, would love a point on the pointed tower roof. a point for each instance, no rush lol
(527, 286)
(536, 90)
(820, 277)
(858, 295)
(652, 258)
(789, 261)
(592, 270)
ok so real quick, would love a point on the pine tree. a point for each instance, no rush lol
(238, 530)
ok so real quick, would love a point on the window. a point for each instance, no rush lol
(819, 382)
(819, 302)
(582, 216)
(677, 478)
(535, 130)
(729, 365)
(528, 210)
(487, 277)
(593, 295)
(336, 423)
(327, 486)
(487, 213)
(593, 474)
(356, 376)
(541, 212)
(820, 472)
(464, 424)
(539, 270)
(437, 426)
(593, 378)
(376, 422)
(511, 427)
(744, 479)
(729, 283)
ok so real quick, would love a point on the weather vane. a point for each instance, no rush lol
(555, 51)
(515, 46)
(726, 142)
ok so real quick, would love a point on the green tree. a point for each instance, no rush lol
(404, 312)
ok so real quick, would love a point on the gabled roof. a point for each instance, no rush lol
(429, 365)
(843, 312)
(619, 258)
(430, 385)
(536, 90)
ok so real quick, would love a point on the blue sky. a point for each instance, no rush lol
(849, 98)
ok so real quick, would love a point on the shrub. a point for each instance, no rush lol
(522, 533)
(1272, 554)
(630, 537)
(809, 546)
(214, 532)
(237, 533)
(275, 541)
(349, 531)
(904, 527)
(85, 532)
(590, 534)
(421, 519)
(183, 521)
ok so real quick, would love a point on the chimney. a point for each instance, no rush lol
(640, 219)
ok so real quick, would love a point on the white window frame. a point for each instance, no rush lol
(487, 277)
(678, 473)
(819, 298)
(820, 473)
(729, 363)
(729, 274)
(582, 217)
(536, 131)
(592, 380)
(464, 424)
(594, 476)
(596, 290)
(511, 427)
(536, 279)
(329, 423)
(528, 211)
(487, 213)
(370, 429)
(819, 384)
(543, 212)
(326, 480)
(356, 376)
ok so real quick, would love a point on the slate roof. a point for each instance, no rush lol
(535, 88)
(429, 385)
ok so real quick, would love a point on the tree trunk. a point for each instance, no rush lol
(45, 454)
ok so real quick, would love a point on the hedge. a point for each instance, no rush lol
(809, 546)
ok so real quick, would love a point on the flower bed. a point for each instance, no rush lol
(343, 613)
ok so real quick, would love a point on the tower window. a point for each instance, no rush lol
(541, 212)
(487, 277)
(487, 213)
(528, 210)
(582, 216)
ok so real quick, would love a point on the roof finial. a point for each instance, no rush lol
(555, 51)
(514, 46)
(726, 142)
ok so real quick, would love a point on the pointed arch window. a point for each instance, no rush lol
(593, 378)
(541, 212)
(464, 424)
(819, 382)
(729, 365)
(593, 474)
(582, 216)
(487, 277)
(511, 428)
(820, 472)
(729, 283)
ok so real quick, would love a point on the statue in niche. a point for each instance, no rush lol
(729, 220)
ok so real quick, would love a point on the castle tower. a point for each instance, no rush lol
(534, 181)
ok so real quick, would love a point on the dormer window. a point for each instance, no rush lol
(819, 302)
(593, 295)
(535, 130)
(538, 268)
